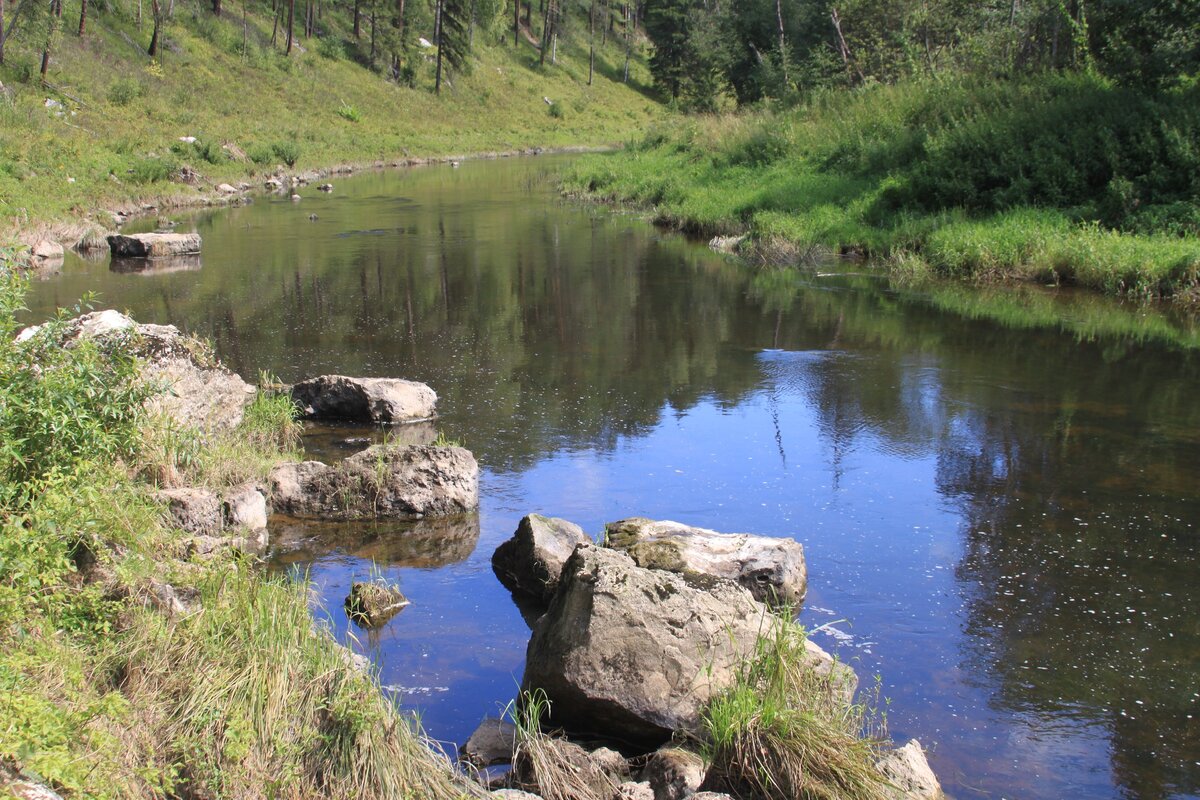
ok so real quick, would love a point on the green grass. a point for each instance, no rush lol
(117, 140)
(104, 695)
(784, 730)
(961, 179)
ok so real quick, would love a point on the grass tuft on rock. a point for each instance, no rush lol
(784, 731)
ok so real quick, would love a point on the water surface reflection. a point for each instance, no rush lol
(999, 516)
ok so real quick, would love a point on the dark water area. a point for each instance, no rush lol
(999, 510)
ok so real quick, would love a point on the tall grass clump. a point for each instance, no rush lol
(259, 697)
(786, 730)
(547, 763)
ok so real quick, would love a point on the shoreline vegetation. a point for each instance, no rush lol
(133, 664)
(1058, 179)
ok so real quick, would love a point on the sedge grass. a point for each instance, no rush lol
(786, 730)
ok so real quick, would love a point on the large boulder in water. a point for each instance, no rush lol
(153, 245)
(381, 481)
(773, 570)
(636, 653)
(365, 399)
(531, 561)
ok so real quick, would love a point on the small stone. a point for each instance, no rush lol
(493, 742)
(196, 511)
(630, 790)
(371, 605)
(245, 507)
(225, 188)
(47, 250)
(674, 773)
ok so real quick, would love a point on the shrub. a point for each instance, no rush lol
(349, 113)
(59, 406)
(150, 169)
(260, 153)
(124, 91)
(331, 47)
(287, 152)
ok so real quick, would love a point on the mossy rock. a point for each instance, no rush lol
(371, 605)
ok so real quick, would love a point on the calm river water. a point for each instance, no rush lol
(1000, 519)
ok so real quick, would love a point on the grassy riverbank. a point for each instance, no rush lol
(111, 133)
(1058, 179)
(132, 665)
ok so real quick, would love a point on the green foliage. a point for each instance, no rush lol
(261, 154)
(331, 47)
(286, 151)
(348, 113)
(150, 169)
(205, 150)
(785, 729)
(981, 179)
(60, 406)
(124, 91)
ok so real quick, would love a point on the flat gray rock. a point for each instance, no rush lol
(772, 569)
(385, 400)
(153, 245)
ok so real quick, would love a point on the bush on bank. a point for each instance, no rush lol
(1058, 178)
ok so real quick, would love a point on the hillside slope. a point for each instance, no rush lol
(106, 128)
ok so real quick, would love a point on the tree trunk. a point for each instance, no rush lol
(153, 49)
(372, 33)
(437, 81)
(783, 54)
(275, 27)
(82, 17)
(546, 23)
(216, 7)
(591, 41)
(357, 19)
(291, 21)
(2, 37)
(628, 44)
(51, 33)
(516, 23)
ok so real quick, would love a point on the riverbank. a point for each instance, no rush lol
(138, 661)
(978, 181)
(145, 652)
(115, 130)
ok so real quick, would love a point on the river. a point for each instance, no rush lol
(999, 510)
